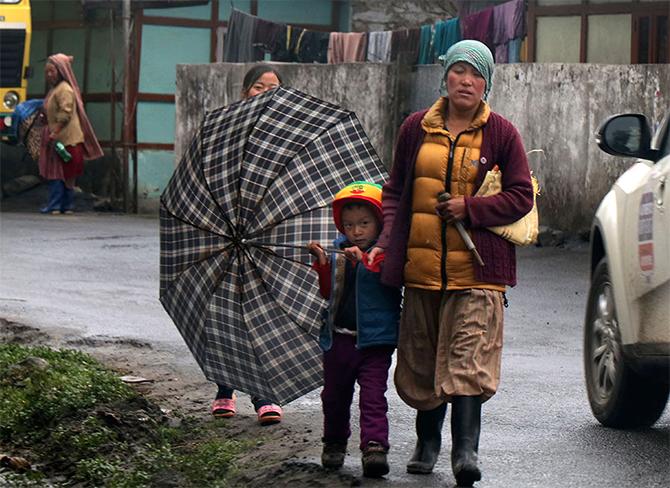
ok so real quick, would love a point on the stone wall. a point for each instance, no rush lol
(369, 90)
(373, 15)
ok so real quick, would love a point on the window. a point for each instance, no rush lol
(558, 40)
(599, 31)
(602, 46)
(650, 37)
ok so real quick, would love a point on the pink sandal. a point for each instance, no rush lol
(269, 414)
(223, 408)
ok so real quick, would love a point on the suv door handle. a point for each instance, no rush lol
(660, 190)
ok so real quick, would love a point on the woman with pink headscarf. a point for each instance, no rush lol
(68, 125)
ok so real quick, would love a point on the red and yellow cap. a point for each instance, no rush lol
(358, 191)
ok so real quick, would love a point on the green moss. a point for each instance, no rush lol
(211, 462)
(32, 399)
(83, 440)
(206, 464)
(81, 421)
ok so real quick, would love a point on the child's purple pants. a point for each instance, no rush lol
(343, 364)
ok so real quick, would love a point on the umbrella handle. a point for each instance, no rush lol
(444, 196)
(288, 246)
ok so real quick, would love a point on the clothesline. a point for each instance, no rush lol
(502, 28)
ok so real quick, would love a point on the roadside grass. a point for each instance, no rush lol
(77, 422)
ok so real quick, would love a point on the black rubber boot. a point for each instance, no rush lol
(429, 439)
(465, 427)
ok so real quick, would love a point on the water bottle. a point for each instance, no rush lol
(62, 152)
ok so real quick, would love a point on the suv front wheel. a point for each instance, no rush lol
(619, 396)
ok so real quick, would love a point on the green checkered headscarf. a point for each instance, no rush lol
(474, 53)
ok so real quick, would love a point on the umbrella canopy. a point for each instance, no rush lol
(260, 170)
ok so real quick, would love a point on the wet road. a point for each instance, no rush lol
(98, 276)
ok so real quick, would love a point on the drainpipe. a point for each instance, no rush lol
(112, 104)
(127, 109)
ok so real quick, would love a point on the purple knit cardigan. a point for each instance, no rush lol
(502, 146)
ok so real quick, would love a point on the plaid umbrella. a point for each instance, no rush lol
(257, 171)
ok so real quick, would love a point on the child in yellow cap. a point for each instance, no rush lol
(360, 330)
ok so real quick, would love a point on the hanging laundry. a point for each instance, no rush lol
(267, 35)
(312, 47)
(509, 22)
(379, 47)
(238, 44)
(347, 47)
(501, 53)
(514, 51)
(447, 33)
(405, 45)
(478, 26)
(414, 39)
(425, 45)
(287, 42)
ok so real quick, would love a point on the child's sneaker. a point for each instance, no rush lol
(333, 454)
(374, 460)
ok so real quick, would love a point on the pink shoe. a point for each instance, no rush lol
(269, 414)
(224, 408)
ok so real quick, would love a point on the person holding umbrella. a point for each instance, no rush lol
(360, 331)
(258, 79)
(450, 339)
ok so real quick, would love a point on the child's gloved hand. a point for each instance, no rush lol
(353, 254)
(375, 254)
(317, 251)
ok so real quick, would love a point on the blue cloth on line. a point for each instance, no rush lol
(447, 33)
(514, 50)
(425, 45)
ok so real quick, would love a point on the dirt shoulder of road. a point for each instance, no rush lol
(286, 454)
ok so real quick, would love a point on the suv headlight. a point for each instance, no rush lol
(11, 100)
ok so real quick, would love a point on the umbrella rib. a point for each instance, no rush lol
(183, 221)
(258, 273)
(228, 222)
(275, 224)
(344, 114)
(172, 283)
(264, 245)
(323, 129)
(272, 253)
(255, 269)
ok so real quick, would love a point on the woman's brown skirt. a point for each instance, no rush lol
(450, 344)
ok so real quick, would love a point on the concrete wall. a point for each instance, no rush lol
(556, 107)
(370, 90)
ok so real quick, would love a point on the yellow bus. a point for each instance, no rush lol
(15, 32)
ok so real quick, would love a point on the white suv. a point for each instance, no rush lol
(627, 326)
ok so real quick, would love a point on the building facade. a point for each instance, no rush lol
(166, 33)
(163, 34)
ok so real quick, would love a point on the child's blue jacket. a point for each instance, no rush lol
(377, 305)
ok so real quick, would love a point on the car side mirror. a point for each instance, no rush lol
(626, 135)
